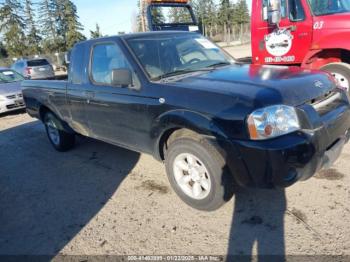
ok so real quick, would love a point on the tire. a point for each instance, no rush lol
(60, 139)
(215, 173)
(341, 71)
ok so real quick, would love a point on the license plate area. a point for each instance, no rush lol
(19, 102)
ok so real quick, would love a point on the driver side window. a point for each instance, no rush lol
(105, 58)
(296, 11)
(266, 4)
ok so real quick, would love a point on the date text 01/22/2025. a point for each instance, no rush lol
(175, 258)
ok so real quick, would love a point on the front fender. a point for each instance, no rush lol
(178, 119)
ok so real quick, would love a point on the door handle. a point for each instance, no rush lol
(293, 28)
(89, 95)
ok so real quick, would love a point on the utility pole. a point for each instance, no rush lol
(143, 14)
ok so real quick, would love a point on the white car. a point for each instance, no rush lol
(11, 97)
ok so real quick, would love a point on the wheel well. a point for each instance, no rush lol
(327, 56)
(42, 111)
(172, 134)
(345, 56)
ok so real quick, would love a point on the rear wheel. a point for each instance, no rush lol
(197, 172)
(60, 139)
(341, 72)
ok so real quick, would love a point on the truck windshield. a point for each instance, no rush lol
(322, 7)
(171, 15)
(169, 55)
(9, 76)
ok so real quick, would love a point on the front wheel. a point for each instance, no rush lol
(341, 72)
(60, 139)
(198, 174)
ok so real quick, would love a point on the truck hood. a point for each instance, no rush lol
(262, 85)
(10, 88)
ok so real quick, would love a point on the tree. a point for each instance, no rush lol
(206, 13)
(96, 33)
(225, 14)
(73, 30)
(12, 25)
(241, 15)
(32, 35)
(47, 24)
(60, 25)
(3, 52)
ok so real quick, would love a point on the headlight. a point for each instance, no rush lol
(2, 99)
(272, 121)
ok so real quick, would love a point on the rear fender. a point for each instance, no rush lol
(62, 125)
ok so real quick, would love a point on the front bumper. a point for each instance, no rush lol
(282, 161)
(11, 105)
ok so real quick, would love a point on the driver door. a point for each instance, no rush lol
(116, 114)
(289, 43)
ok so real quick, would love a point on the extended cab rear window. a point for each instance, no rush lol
(39, 62)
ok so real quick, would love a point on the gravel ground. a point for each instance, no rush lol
(99, 199)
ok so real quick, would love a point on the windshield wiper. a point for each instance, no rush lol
(182, 72)
(187, 71)
(219, 64)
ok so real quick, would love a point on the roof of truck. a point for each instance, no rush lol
(135, 35)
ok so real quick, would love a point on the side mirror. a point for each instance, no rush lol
(122, 77)
(274, 12)
(67, 57)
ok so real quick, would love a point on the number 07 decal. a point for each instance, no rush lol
(318, 25)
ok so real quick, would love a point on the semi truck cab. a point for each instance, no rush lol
(170, 15)
(313, 34)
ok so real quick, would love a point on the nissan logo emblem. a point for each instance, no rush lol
(318, 84)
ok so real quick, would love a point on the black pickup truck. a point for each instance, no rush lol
(214, 122)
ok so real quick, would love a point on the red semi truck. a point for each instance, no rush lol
(313, 34)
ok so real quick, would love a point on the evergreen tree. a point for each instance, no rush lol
(225, 14)
(241, 16)
(61, 24)
(47, 24)
(73, 28)
(96, 33)
(241, 13)
(33, 38)
(206, 13)
(12, 25)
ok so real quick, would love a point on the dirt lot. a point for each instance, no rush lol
(100, 199)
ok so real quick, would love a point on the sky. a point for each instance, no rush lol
(113, 16)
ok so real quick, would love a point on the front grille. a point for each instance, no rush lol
(11, 97)
(15, 106)
(327, 103)
(14, 96)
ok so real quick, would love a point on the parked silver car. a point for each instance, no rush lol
(38, 68)
(11, 97)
